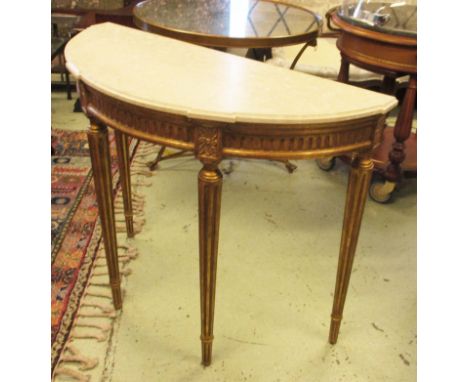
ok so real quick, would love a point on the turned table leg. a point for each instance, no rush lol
(101, 165)
(209, 202)
(401, 132)
(358, 185)
(121, 141)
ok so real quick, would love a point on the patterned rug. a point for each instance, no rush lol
(76, 249)
(74, 216)
(71, 175)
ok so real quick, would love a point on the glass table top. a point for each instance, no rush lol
(396, 18)
(231, 19)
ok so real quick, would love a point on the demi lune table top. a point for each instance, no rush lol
(144, 69)
(228, 23)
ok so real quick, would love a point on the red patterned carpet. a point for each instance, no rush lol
(81, 301)
(74, 240)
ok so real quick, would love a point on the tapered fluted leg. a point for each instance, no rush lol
(358, 185)
(209, 202)
(121, 141)
(101, 164)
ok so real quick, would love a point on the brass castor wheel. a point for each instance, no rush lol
(326, 164)
(382, 192)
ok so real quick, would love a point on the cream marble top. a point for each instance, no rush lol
(180, 78)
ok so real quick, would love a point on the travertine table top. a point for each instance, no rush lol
(177, 77)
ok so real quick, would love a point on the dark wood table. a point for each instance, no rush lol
(217, 111)
(386, 45)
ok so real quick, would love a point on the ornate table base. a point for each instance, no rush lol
(209, 209)
(208, 138)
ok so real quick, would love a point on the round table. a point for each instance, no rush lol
(228, 24)
(389, 49)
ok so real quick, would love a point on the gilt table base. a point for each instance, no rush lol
(209, 151)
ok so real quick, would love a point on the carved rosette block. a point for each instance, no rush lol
(208, 144)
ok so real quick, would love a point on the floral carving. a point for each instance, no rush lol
(208, 143)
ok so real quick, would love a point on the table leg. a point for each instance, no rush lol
(154, 164)
(388, 85)
(209, 203)
(343, 75)
(101, 165)
(259, 54)
(67, 81)
(299, 55)
(121, 141)
(358, 185)
(401, 132)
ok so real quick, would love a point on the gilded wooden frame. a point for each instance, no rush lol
(212, 141)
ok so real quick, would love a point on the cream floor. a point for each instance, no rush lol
(279, 241)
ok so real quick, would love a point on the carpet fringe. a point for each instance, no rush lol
(124, 272)
(95, 318)
(76, 375)
(104, 308)
(73, 355)
(99, 336)
(97, 315)
(105, 327)
(97, 294)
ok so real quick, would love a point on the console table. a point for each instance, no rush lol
(220, 106)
